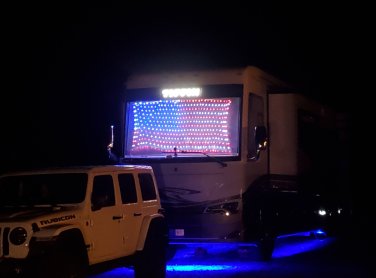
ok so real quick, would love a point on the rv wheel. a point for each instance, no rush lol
(266, 247)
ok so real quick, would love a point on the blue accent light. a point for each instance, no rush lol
(115, 273)
(200, 267)
(320, 232)
(297, 246)
(231, 258)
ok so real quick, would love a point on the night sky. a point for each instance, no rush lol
(65, 65)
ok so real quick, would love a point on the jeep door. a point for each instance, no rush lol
(132, 212)
(105, 230)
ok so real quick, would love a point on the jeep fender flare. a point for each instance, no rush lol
(54, 231)
(146, 223)
(50, 239)
(61, 249)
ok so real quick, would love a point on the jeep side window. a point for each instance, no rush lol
(147, 187)
(103, 194)
(127, 188)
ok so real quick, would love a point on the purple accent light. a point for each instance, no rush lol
(190, 125)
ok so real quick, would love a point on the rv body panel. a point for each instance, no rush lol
(200, 196)
(288, 113)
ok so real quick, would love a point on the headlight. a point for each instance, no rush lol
(224, 208)
(18, 236)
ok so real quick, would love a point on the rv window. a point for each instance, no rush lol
(154, 128)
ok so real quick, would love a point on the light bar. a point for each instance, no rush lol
(181, 92)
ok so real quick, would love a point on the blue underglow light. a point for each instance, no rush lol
(298, 244)
(229, 267)
(320, 232)
(228, 259)
(115, 273)
(198, 267)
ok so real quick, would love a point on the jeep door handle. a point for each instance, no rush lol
(137, 214)
(117, 217)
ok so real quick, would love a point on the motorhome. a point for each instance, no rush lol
(238, 155)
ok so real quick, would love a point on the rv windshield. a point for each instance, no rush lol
(42, 189)
(155, 128)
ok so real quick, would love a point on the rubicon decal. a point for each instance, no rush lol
(57, 219)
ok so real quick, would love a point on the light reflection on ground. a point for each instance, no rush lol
(228, 259)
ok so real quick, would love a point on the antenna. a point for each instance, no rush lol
(111, 145)
(111, 155)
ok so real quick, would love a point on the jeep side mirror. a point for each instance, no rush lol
(258, 140)
(261, 138)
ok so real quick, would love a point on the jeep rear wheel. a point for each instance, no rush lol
(151, 261)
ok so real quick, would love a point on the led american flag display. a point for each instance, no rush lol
(190, 125)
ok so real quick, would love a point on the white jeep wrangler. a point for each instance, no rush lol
(61, 222)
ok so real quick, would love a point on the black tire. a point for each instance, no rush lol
(171, 251)
(60, 264)
(266, 247)
(267, 233)
(66, 259)
(151, 261)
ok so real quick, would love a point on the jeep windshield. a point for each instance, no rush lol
(42, 189)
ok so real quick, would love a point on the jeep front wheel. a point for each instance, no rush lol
(60, 264)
